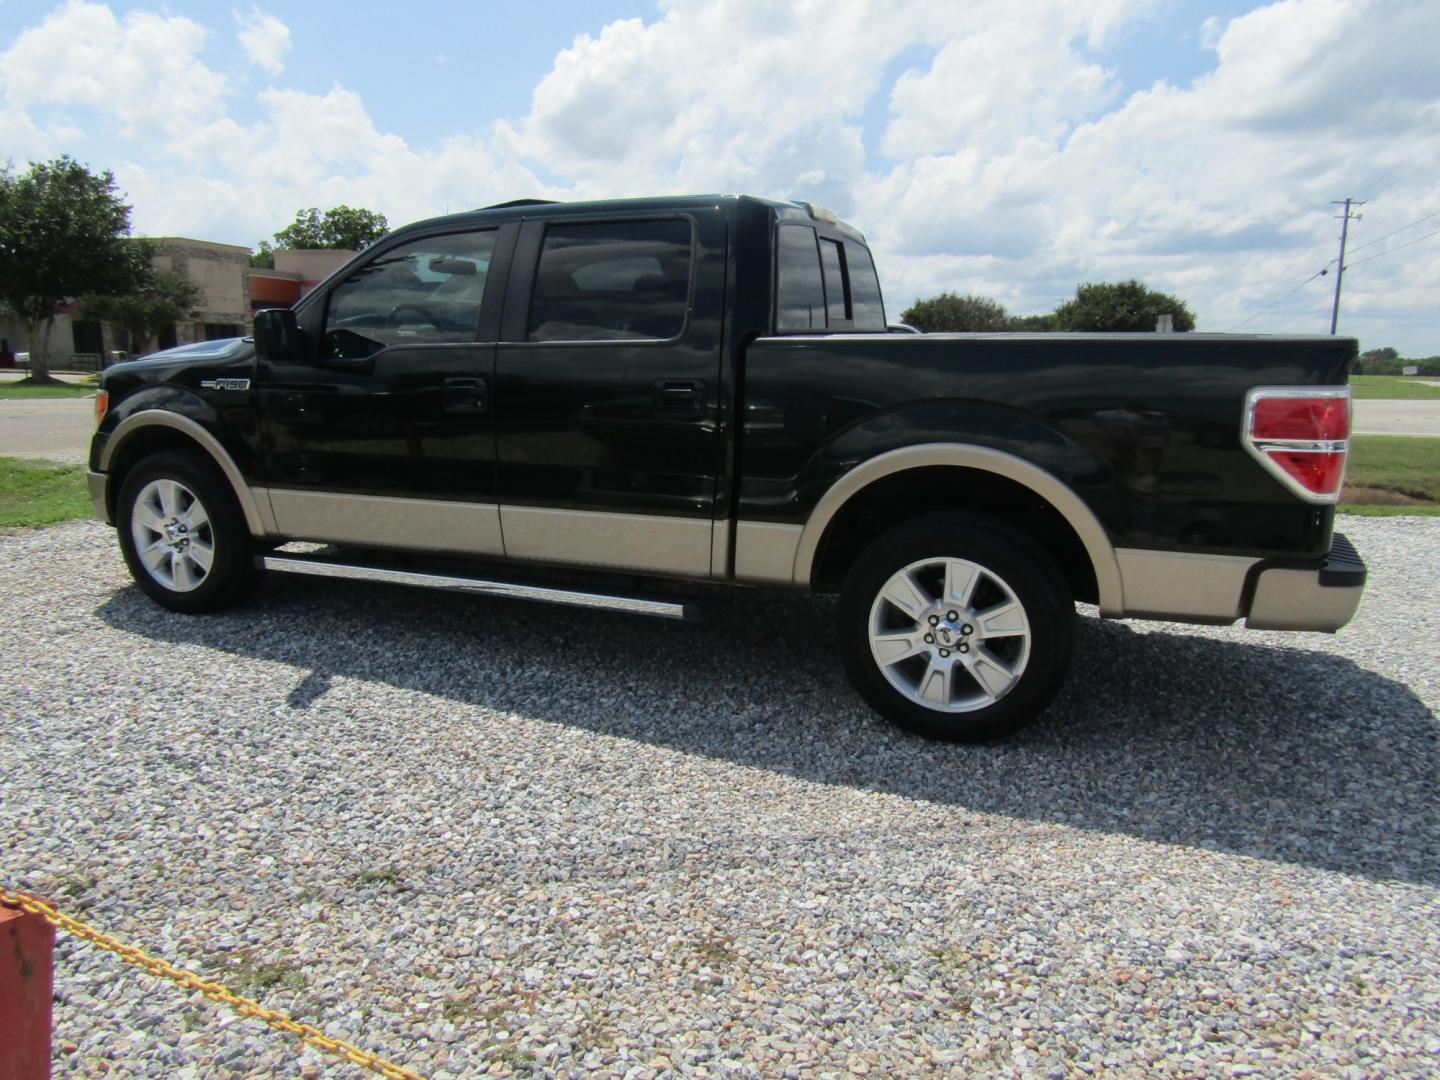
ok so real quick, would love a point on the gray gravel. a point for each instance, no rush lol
(486, 836)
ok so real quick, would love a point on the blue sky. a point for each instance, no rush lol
(1013, 149)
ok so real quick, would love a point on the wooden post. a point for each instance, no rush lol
(27, 984)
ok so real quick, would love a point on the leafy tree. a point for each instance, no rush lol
(1120, 306)
(1033, 324)
(63, 234)
(345, 228)
(162, 299)
(1384, 361)
(956, 314)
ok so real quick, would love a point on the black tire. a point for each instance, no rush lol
(164, 490)
(1033, 647)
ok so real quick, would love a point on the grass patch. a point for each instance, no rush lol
(386, 876)
(17, 391)
(1410, 466)
(41, 492)
(246, 975)
(1393, 388)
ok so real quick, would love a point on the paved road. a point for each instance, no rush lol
(1397, 417)
(54, 428)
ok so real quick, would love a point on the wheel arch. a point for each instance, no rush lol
(153, 431)
(995, 473)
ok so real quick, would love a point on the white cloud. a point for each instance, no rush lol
(265, 39)
(1010, 159)
(1004, 75)
(312, 150)
(1220, 190)
(715, 95)
(143, 71)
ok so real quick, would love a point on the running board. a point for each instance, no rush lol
(635, 605)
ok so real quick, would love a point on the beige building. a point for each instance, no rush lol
(223, 273)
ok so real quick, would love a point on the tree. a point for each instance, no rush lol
(63, 234)
(161, 299)
(1120, 306)
(345, 228)
(1033, 324)
(956, 314)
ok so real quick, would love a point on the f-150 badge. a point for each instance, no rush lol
(226, 384)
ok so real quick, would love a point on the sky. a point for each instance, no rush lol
(1008, 148)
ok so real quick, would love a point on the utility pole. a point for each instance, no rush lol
(1345, 219)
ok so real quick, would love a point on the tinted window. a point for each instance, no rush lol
(799, 291)
(834, 282)
(865, 303)
(421, 292)
(600, 281)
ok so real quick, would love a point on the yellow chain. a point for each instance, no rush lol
(190, 981)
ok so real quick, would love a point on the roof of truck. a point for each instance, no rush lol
(528, 207)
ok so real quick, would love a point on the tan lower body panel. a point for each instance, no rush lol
(1181, 586)
(412, 524)
(645, 543)
(765, 553)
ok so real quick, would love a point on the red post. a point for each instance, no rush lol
(27, 983)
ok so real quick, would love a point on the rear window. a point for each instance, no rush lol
(824, 284)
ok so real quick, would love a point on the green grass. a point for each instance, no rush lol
(1393, 388)
(1410, 466)
(16, 391)
(41, 492)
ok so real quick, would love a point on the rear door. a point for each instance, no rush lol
(606, 391)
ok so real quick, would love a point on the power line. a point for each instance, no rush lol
(1370, 243)
(1326, 268)
(1318, 273)
(1397, 247)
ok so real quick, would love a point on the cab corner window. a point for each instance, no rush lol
(800, 291)
(612, 280)
(867, 307)
(824, 284)
(424, 292)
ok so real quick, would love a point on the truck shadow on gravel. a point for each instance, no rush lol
(1285, 754)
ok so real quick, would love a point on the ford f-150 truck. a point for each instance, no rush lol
(704, 388)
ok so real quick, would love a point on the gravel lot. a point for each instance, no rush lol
(482, 835)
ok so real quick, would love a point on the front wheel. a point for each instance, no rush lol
(956, 628)
(182, 534)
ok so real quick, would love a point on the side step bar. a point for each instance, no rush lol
(635, 605)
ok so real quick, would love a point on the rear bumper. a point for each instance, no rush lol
(1310, 598)
(1218, 589)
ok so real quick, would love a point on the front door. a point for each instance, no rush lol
(607, 392)
(385, 435)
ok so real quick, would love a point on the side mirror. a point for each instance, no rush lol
(277, 336)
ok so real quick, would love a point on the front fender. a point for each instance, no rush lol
(185, 417)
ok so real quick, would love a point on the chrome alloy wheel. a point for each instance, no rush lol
(949, 634)
(172, 535)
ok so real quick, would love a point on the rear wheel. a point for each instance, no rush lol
(182, 534)
(956, 627)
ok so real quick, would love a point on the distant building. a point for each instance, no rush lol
(220, 271)
(233, 291)
(295, 274)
